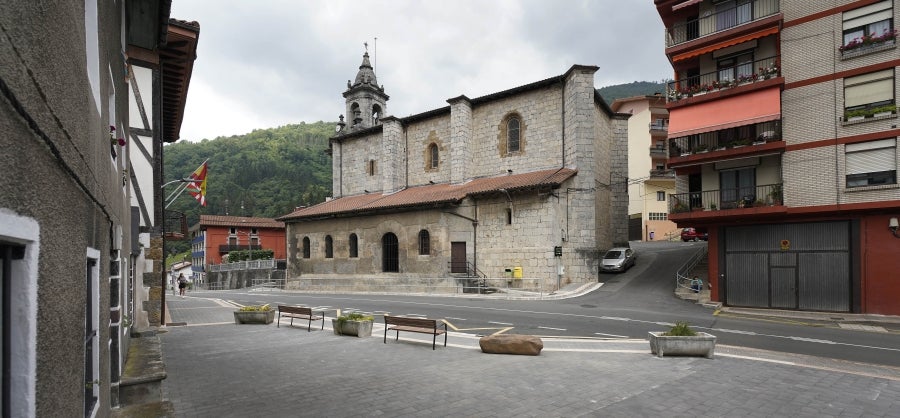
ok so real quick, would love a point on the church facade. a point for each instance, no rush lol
(528, 182)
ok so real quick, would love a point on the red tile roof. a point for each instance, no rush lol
(239, 221)
(432, 194)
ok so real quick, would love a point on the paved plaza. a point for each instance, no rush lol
(219, 369)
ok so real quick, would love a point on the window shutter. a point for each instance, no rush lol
(871, 157)
(868, 14)
(869, 88)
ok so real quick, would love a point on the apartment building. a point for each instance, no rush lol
(783, 137)
(214, 236)
(649, 181)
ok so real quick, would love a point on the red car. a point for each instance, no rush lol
(692, 234)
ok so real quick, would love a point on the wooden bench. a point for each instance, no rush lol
(421, 325)
(300, 313)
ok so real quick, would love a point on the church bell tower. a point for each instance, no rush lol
(366, 101)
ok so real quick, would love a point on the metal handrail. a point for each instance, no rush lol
(682, 278)
(724, 199)
(723, 78)
(720, 21)
(740, 136)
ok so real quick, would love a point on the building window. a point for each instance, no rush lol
(329, 247)
(424, 243)
(867, 92)
(390, 253)
(92, 333)
(868, 24)
(736, 66)
(658, 216)
(871, 163)
(370, 168)
(306, 247)
(508, 216)
(660, 196)
(512, 135)
(433, 156)
(376, 114)
(354, 246)
(738, 187)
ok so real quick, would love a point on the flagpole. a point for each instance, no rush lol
(181, 188)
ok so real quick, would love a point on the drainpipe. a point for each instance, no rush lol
(563, 123)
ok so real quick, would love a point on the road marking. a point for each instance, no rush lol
(611, 335)
(555, 329)
(456, 319)
(616, 318)
(665, 324)
(499, 323)
(811, 340)
(735, 331)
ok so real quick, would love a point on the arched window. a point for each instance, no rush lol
(306, 247)
(354, 246)
(433, 156)
(329, 247)
(355, 114)
(512, 135)
(390, 253)
(424, 243)
(376, 114)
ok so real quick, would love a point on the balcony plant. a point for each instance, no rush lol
(354, 323)
(254, 314)
(681, 340)
(859, 114)
(775, 195)
(701, 148)
(869, 40)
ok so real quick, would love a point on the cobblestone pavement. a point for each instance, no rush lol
(219, 369)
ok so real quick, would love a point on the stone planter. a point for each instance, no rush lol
(254, 317)
(352, 328)
(702, 344)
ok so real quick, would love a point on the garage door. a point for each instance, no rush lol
(789, 266)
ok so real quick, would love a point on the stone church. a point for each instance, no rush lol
(529, 182)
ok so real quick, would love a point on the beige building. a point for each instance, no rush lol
(649, 181)
(528, 181)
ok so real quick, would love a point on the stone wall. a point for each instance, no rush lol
(240, 279)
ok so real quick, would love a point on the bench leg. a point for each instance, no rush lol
(309, 324)
(278, 324)
(385, 333)
(398, 336)
(433, 340)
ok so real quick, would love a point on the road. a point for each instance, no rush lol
(628, 305)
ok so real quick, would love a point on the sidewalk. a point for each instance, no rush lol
(216, 368)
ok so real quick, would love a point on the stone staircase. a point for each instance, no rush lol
(701, 298)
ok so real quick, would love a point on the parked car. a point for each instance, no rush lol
(692, 234)
(618, 259)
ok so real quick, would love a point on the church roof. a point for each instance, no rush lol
(431, 195)
(366, 74)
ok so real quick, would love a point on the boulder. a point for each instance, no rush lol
(528, 345)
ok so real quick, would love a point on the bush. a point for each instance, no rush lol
(355, 316)
(245, 255)
(681, 329)
(256, 308)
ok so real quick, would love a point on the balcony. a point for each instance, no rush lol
(721, 21)
(731, 138)
(659, 127)
(723, 79)
(666, 173)
(769, 195)
(235, 247)
(658, 152)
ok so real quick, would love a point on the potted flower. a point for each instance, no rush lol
(354, 323)
(681, 340)
(700, 148)
(254, 314)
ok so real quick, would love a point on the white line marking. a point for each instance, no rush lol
(499, 323)
(555, 329)
(616, 318)
(735, 331)
(456, 319)
(611, 335)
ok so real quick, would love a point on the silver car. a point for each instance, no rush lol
(618, 259)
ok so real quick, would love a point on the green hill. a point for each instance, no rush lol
(637, 88)
(265, 173)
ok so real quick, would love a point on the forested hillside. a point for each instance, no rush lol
(637, 88)
(268, 171)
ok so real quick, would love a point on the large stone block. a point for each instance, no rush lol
(528, 345)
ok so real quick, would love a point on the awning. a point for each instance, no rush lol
(685, 4)
(725, 44)
(740, 110)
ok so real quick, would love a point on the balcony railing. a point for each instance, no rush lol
(656, 126)
(725, 199)
(723, 79)
(662, 173)
(234, 247)
(659, 152)
(720, 21)
(740, 136)
(246, 265)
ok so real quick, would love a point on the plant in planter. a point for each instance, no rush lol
(353, 323)
(254, 314)
(681, 340)
(712, 206)
(701, 148)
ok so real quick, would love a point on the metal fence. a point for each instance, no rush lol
(682, 276)
(499, 287)
(245, 265)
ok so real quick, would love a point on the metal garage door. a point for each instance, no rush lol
(789, 266)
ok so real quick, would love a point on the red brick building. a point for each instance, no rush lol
(215, 236)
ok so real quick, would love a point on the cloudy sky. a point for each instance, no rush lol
(267, 63)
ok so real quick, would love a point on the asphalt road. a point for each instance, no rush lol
(628, 305)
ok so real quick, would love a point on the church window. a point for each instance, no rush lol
(356, 114)
(306, 249)
(433, 156)
(354, 246)
(512, 135)
(370, 168)
(376, 114)
(424, 242)
(509, 216)
(329, 247)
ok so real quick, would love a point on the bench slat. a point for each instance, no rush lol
(300, 312)
(421, 325)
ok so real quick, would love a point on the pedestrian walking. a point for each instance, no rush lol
(182, 284)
